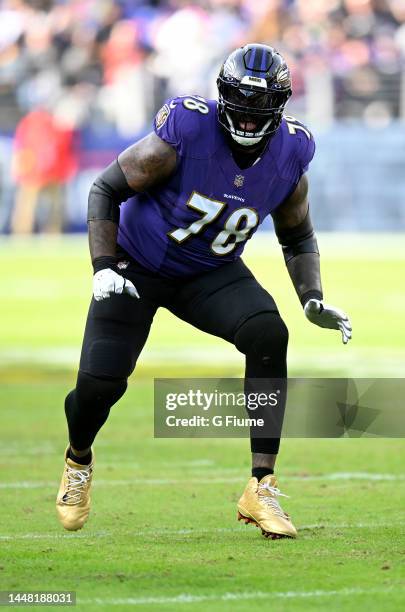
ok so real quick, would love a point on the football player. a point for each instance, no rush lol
(198, 187)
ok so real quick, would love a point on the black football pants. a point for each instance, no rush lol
(227, 302)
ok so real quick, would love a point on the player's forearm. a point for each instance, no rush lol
(305, 273)
(102, 238)
(106, 194)
(300, 250)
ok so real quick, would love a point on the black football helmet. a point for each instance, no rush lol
(254, 85)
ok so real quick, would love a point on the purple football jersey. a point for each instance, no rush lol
(201, 217)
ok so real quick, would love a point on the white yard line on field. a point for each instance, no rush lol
(32, 484)
(334, 477)
(356, 244)
(359, 363)
(52, 536)
(133, 534)
(186, 598)
(182, 532)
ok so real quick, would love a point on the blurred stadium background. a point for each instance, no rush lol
(79, 81)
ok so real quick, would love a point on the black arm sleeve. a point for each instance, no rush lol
(301, 254)
(106, 194)
(299, 239)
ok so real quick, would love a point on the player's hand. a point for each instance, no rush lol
(328, 316)
(106, 282)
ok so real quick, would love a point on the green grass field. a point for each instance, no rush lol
(163, 533)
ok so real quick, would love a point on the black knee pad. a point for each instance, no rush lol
(262, 335)
(102, 393)
(108, 358)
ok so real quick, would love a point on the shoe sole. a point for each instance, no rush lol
(267, 534)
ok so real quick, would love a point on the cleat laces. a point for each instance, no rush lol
(271, 500)
(76, 483)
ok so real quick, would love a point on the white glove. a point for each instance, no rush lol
(106, 282)
(328, 316)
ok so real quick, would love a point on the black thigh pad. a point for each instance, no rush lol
(218, 302)
(116, 331)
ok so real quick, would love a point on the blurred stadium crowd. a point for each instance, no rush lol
(81, 79)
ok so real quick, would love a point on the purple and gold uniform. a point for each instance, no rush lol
(201, 217)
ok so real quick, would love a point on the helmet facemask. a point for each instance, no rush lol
(250, 114)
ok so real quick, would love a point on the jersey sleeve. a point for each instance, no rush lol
(165, 124)
(307, 153)
(170, 125)
(296, 149)
(180, 123)
(304, 144)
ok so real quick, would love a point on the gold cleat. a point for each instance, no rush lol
(73, 500)
(259, 505)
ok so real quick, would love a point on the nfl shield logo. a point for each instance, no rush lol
(239, 180)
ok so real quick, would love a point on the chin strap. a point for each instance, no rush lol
(246, 141)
